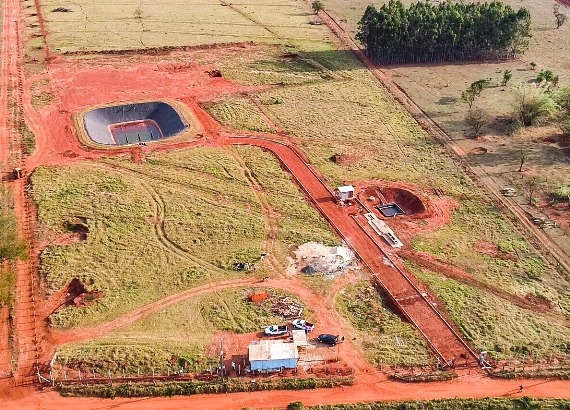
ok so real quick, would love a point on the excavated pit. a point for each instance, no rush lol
(406, 200)
(133, 123)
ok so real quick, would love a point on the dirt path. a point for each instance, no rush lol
(477, 173)
(59, 337)
(364, 391)
(27, 332)
(269, 216)
(439, 334)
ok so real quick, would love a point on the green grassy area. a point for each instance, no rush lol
(239, 113)
(11, 247)
(351, 114)
(380, 333)
(523, 403)
(176, 336)
(518, 268)
(490, 323)
(130, 24)
(173, 222)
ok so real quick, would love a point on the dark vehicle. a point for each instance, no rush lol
(328, 339)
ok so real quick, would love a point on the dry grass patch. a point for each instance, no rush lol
(493, 324)
(174, 337)
(380, 333)
(131, 24)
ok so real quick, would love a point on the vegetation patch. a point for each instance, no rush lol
(381, 334)
(523, 403)
(424, 378)
(493, 324)
(548, 372)
(425, 32)
(28, 138)
(197, 387)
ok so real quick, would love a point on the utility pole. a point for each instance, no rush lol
(222, 358)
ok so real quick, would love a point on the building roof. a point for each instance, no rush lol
(299, 338)
(272, 350)
(346, 188)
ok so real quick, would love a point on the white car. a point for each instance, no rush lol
(303, 325)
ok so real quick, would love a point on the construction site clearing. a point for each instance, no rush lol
(92, 117)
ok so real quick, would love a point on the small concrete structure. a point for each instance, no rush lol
(299, 338)
(272, 355)
(344, 193)
(383, 230)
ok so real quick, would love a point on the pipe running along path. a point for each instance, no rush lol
(441, 337)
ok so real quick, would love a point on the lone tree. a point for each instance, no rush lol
(476, 119)
(317, 6)
(468, 96)
(138, 14)
(507, 75)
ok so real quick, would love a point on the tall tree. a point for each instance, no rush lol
(445, 31)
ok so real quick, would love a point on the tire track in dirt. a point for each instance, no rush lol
(268, 212)
(158, 224)
(59, 337)
(442, 338)
(27, 332)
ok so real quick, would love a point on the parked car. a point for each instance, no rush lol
(303, 325)
(328, 339)
(275, 330)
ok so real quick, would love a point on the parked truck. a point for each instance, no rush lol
(276, 330)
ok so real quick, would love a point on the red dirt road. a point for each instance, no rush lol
(416, 307)
(372, 389)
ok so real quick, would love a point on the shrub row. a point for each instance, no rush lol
(198, 387)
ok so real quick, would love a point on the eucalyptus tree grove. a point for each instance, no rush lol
(448, 31)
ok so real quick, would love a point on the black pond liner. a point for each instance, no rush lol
(392, 209)
(133, 123)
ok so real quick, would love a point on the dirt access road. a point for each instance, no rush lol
(441, 337)
(10, 155)
(366, 390)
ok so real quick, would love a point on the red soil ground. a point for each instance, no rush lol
(80, 84)
(5, 367)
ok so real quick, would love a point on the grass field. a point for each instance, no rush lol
(129, 24)
(208, 214)
(347, 113)
(493, 324)
(176, 336)
(381, 334)
(437, 88)
(182, 219)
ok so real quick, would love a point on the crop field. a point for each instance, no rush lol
(129, 24)
(174, 222)
(176, 336)
(381, 334)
